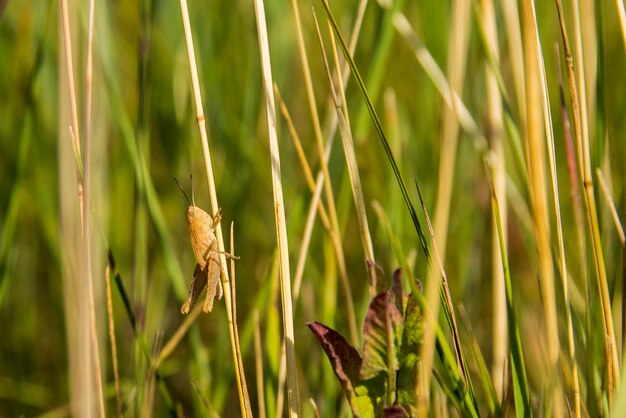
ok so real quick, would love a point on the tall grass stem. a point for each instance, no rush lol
(279, 212)
(541, 223)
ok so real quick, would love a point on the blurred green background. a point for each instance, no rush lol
(145, 133)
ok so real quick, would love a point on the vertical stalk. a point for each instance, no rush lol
(279, 212)
(348, 145)
(541, 222)
(87, 268)
(579, 113)
(498, 173)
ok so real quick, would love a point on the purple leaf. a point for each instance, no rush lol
(345, 359)
(395, 411)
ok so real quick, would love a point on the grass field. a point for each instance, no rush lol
(479, 146)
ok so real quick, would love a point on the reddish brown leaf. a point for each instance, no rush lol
(395, 411)
(345, 359)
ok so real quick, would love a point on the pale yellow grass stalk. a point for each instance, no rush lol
(308, 83)
(495, 133)
(243, 386)
(258, 362)
(541, 226)
(316, 411)
(457, 58)
(70, 214)
(338, 96)
(575, 76)
(549, 133)
(333, 234)
(316, 188)
(69, 69)
(87, 191)
(514, 39)
(88, 372)
(306, 239)
(448, 94)
(331, 115)
(622, 19)
(279, 212)
(606, 192)
(193, 69)
(282, 379)
(304, 164)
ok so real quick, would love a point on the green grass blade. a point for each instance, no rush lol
(518, 369)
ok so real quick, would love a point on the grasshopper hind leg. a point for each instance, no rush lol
(198, 283)
(214, 289)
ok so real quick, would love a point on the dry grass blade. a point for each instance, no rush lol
(579, 114)
(306, 169)
(334, 234)
(449, 95)
(69, 66)
(622, 19)
(242, 386)
(84, 191)
(536, 163)
(87, 190)
(306, 240)
(353, 169)
(514, 38)
(316, 203)
(279, 212)
(334, 230)
(559, 230)
(495, 134)
(457, 58)
(316, 410)
(573, 175)
(611, 205)
(282, 379)
(258, 362)
(348, 147)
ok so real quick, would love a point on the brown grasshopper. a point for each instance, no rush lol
(204, 245)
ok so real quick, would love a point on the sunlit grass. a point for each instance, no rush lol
(522, 174)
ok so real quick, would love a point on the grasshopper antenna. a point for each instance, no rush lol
(193, 192)
(185, 194)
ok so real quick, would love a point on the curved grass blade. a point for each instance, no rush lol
(379, 129)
